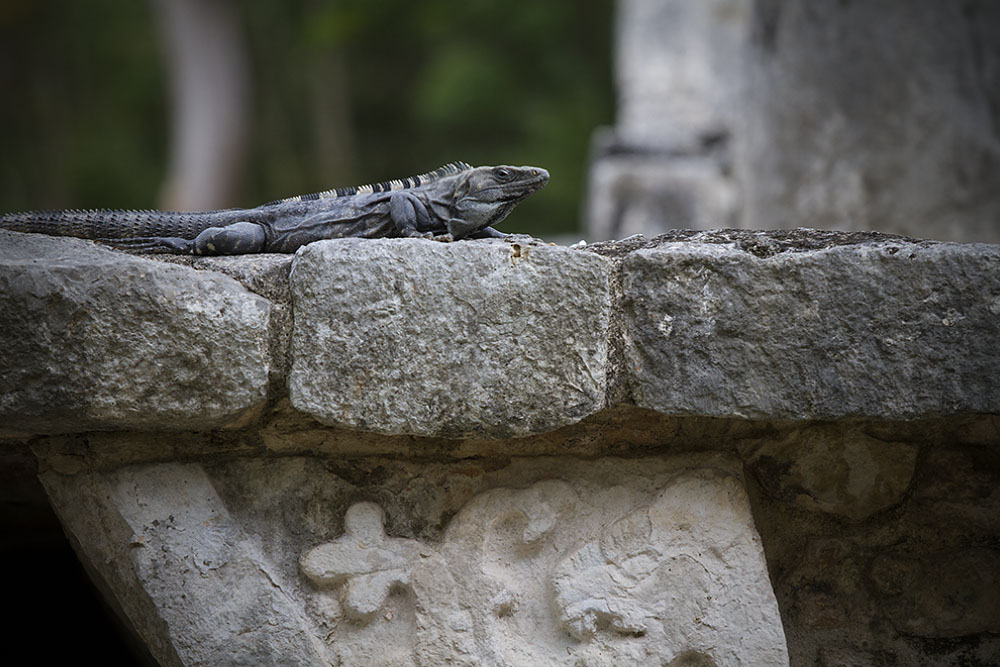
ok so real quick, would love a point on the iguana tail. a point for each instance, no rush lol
(116, 224)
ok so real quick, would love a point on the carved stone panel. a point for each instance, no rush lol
(542, 561)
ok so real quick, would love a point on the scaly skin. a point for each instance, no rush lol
(454, 202)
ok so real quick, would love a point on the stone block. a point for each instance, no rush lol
(194, 584)
(884, 328)
(418, 337)
(96, 339)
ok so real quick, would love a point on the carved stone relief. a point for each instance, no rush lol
(546, 575)
(375, 561)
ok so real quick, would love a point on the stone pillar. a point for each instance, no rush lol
(667, 162)
(763, 114)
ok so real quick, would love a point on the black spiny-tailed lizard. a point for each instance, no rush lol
(454, 202)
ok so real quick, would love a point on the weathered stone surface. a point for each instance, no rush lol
(542, 561)
(266, 275)
(197, 588)
(960, 491)
(413, 336)
(845, 603)
(755, 327)
(98, 339)
(685, 542)
(825, 587)
(942, 593)
(917, 584)
(874, 115)
(834, 469)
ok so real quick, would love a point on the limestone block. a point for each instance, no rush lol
(367, 565)
(680, 573)
(97, 339)
(197, 588)
(418, 337)
(541, 561)
(665, 572)
(883, 328)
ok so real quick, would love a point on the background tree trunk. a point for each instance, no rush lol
(209, 84)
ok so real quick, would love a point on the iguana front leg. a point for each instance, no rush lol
(412, 219)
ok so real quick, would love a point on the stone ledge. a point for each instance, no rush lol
(95, 339)
(492, 340)
(763, 327)
(520, 527)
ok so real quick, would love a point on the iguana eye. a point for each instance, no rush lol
(503, 174)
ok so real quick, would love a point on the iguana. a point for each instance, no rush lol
(453, 202)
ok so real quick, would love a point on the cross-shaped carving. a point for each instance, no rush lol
(367, 562)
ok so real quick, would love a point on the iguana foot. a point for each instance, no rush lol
(152, 244)
(524, 239)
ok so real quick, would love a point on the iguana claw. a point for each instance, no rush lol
(152, 244)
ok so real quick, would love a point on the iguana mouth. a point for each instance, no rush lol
(539, 177)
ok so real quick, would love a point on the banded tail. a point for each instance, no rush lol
(116, 224)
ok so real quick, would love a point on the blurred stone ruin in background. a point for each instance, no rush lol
(879, 116)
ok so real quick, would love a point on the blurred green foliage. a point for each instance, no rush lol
(415, 84)
(83, 117)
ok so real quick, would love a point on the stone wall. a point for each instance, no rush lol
(708, 448)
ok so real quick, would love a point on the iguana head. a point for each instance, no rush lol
(486, 195)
